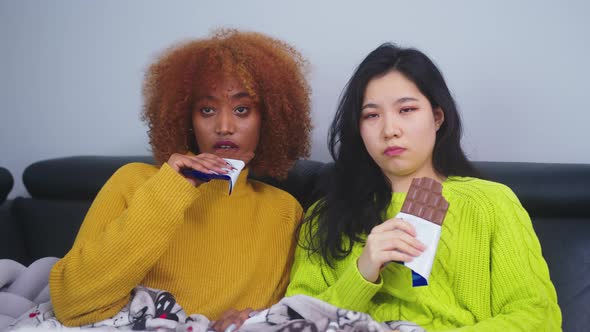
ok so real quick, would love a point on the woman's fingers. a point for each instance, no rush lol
(242, 317)
(396, 240)
(393, 240)
(209, 164)
(393, 224)
(382, 248)
(177, 161)
(222, 323)
(206, 163)
(400, 240)
(231, 320)
(403, 248)
(396, 256)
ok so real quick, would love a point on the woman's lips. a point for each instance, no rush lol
(225, 145)
(394, 151)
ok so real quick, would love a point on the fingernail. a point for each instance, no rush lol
(231, 328)
(253, 313)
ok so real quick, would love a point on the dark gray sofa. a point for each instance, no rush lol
(557, 197)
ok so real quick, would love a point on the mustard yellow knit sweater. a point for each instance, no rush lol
(151, 227)
(488, 275)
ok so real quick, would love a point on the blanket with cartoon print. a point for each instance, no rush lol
(157, 310)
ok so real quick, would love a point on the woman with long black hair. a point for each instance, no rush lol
(397, 121)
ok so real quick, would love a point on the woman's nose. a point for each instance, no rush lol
(225, 123)
(391, 127)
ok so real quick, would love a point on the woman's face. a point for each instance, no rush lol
(226, 119)
(398, 127)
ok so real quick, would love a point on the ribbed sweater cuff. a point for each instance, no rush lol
(354, 290)
(167, 183)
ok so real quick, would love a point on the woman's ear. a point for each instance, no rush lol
(439, 117)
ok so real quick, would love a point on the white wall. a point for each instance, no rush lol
(71, 71)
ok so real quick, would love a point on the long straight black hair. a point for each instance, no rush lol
(357, 193)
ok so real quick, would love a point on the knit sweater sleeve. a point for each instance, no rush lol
(522, 295)
(343, 286)
(125, 231)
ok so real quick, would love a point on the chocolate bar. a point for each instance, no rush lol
(425, 209)
(425, 200)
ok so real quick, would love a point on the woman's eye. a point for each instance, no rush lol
(207, 110)
(242, 110)
(408, 109)
(370, 116)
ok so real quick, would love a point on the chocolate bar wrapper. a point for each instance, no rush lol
(429, 234)
(231, 176)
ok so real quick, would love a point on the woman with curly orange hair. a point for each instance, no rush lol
(235, 95)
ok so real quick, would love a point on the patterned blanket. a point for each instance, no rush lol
(157, 310)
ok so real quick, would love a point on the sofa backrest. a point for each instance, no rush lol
(73, 178)
(9, 243)
(6, 182)
(557, 197)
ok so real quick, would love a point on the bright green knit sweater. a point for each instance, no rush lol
(488, 274)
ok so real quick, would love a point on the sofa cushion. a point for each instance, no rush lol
(12, 244)
(540, 191)
(566, 248)
(50, 226)
(6, 183)
(73, 178)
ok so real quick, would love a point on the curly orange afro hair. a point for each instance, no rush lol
(272, 71)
